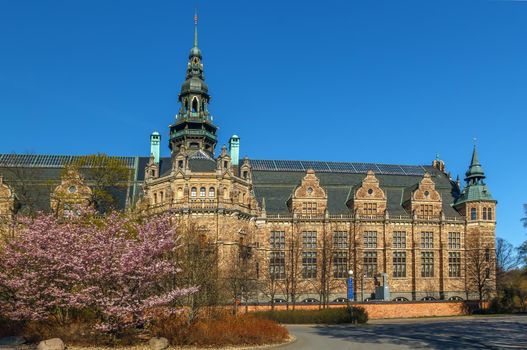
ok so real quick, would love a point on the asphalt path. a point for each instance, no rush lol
(500, 332)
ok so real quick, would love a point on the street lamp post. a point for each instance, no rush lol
(362, 286)
(350, 293)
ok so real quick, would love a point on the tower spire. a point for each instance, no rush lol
(196, 28)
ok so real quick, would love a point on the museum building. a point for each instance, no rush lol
(305, 226)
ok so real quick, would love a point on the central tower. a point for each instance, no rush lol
(194, 128)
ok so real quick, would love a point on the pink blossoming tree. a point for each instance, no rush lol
(115, 266)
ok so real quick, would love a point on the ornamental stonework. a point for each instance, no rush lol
(71, 195)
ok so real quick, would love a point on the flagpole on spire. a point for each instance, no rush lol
(196, 27)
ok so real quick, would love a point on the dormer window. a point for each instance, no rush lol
(180, 164)
(225, 164)
(245, 175)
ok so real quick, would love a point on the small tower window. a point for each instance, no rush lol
(484, 213)
(202, 192)
(212, 192)
(193, 192)
(194, 105)
(186, 105)
(245, 175)
(225, 164)
(180, 164)
(473, 214)
(489, 213)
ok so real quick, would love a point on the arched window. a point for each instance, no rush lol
(161, 196)
(212, 192)
(186, 105)
(193, 192)
(194, 105)
(489, 213)
(473, 214)
(155, 198)
(202, 192)
(484, 213)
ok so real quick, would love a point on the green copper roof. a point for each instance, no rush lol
(475, 188)
(475, 171)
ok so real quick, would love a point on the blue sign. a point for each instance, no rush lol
(350, 288)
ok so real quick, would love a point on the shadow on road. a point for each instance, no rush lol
(488, 333)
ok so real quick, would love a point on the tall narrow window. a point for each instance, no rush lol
(454, 264)
(427, 264)
(399, 264)
(454, 240)
(309, 254)
(202, 192)
(370, 264)
(194, 105)
(473, 214)
(212, 192)
(193, 192)
(277, 255)
(370, 239)
(484, 213)
(340, 254)
(399, 240)
(489, 213)
(427, 240)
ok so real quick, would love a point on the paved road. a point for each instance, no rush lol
(508, 332)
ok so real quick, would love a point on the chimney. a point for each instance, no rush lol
(155, 140)
(234, 149)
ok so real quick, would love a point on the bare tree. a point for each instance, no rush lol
(198, 259)
(480, 263)
(506, 260)
(294, 269)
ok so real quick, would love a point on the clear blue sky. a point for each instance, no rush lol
(393, 81)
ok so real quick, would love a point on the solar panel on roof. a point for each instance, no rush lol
(390, 169)
(341, 167)
(413, 170)
(317, 166)
(288, 165)
(364, 167)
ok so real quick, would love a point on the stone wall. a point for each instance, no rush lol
(381, 310)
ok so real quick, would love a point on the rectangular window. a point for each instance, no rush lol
(370, 208)
(427, 240)
(427, 264)
(277, 265)
(340, 240)
(277, 255)
(399, 240)
(370, 264)
(309, 208)
(454, 240)
(277, 240)
(426, 210)
(399, 264)
(370, 239)
(454, 264)
(309, 254)
(340, 264)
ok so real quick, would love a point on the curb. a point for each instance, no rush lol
(277, 346)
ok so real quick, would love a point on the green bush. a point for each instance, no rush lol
(323, 316)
